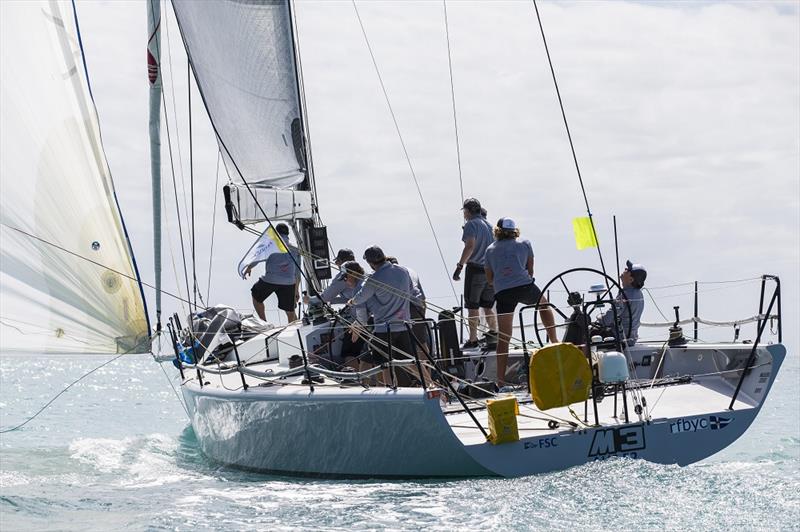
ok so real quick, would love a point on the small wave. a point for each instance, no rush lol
(9, 479)
(136, 462)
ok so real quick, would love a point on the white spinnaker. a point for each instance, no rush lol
(243, 57)
(56, 186)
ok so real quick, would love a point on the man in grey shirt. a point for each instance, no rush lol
(477, 236)
(632, 283)
(420, 328)
(282, 277)
(385, 295)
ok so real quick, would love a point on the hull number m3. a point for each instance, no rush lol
(621, 441)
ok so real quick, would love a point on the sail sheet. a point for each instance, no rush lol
(67, 278)
(242, 54)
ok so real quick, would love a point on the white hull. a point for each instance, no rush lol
(350, 431)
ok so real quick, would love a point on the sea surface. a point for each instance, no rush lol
(115, 452)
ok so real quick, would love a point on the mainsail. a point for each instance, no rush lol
(67, 276)
(243, 58)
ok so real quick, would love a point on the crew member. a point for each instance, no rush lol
(282, 277)
(632, 283)
(352, 343)
(477, 236)
(509, 269)
(419, 329)
(385, 295)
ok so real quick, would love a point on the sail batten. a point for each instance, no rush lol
(67, 274)
(243, 58)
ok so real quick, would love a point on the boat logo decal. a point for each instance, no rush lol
(619, 441)
(542, 443)
(697, 424)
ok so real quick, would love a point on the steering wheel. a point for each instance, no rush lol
(560, 278)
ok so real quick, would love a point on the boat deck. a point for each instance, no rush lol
(676, 401)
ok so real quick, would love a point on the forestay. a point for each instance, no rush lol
(243, 58)
(56, 190)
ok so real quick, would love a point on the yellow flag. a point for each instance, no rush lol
(585, 236)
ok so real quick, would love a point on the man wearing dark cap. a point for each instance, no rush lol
(385, 295)
(282, 277)
(632, 283)
(477, 236)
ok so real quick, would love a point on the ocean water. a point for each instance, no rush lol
(115, 452)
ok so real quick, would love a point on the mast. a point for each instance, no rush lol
(154, 76)
(307, 234)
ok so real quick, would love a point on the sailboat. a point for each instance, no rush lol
(277, 398)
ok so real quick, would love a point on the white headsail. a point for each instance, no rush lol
(67, 276)
(243, 57)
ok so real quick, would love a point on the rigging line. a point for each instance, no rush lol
(168, 232)
(569, 136)
(175, 193)
(59, 394)
(405, 151)
(191, 184)
(656, 304)
(453, 98)
(213, 228)
(175, 391)
(301, 91)
(175, 117)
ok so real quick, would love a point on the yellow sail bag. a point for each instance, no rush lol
(503, 420)
(559, 375)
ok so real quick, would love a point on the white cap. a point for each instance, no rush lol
(507, 223)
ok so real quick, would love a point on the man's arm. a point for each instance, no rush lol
(530, 266)
(489, 274)
(366, 292)
(333, 294)
(469, 247)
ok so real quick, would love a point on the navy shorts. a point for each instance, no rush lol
(420, 328)
(285, 292)
(378, 353)
(477, 292)
(507, 300)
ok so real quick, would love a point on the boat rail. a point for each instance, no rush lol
(760, 318)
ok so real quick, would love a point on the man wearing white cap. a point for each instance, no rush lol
(509, 269)
(632, 283)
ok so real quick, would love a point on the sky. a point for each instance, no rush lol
(685, 118)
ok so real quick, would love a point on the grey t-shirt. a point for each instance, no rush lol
(417, 293)
(478, 228)
(386, 294)
(636, 300)
(338, 291)
(281, 269)
(508, 260)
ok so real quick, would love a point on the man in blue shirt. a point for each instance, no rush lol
(632, 283)
(476, 236)
(282, 277)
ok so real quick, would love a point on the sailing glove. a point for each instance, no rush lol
(457, 273)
